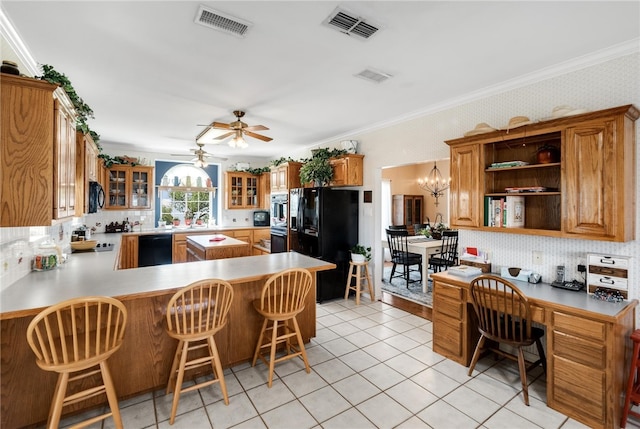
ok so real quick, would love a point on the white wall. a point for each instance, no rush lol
(608, 84)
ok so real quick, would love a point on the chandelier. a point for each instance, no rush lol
(434, 183)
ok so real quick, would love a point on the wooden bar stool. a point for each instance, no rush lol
(194, 315)
(282, 299)
(633, 384)
(75, 338)
(361, 275)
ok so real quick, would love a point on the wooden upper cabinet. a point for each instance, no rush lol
(465, 190)
(64, 189)
(265, 190)
(285, 176)
(87, 169)
(241, 190)
(589, 193)
(599, 178)
(347, 170)
(129, 187)
(37, 143)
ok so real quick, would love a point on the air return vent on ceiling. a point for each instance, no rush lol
(348, 23)
(372, 75)
(222, 22)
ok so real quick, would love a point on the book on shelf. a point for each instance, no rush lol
(526, 189)
(507, 164)
(504, 212)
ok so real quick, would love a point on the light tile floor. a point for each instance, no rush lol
(372, 367)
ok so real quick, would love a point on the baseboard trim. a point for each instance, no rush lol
(406, 305)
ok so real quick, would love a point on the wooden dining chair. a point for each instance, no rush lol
(400, 255)
(504, 317)
(282, 299)
(75, 338)
(194, 315)
(448, 255)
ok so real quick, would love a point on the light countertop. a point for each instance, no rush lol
(551, 295)
(92, 273)
(210, 241)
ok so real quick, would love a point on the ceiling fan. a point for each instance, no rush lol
(201, 156)
(237, 129)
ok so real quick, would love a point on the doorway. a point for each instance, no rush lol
(405, 202)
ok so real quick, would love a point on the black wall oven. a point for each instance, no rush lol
(279, 214)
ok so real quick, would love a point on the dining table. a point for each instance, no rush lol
(424, 246)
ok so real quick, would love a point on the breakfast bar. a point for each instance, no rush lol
(144, 361)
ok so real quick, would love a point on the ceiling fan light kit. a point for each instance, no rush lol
(237, 129)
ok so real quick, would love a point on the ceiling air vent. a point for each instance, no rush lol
(373, 75)
(222, 22)
(350, 24)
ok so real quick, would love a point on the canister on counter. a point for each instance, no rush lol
(45, 258)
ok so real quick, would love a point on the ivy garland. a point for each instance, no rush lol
(83, 111)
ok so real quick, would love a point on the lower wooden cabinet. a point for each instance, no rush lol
(128, 257)
(457, 333)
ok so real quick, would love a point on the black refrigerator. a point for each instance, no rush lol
(323, 223)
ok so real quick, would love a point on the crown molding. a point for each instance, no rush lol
(616, 51)
(9, 33)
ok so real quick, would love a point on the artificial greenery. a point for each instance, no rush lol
(281, 160)
(359, 249)
(257, 171)
(83, 111)
(317, 168)
(117, 160)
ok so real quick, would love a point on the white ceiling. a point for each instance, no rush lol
(152, 75)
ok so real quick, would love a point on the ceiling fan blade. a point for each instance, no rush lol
(224, 136)
(258, 136)
(255, 128)
(221, 125)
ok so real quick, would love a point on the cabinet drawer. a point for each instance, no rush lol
(577, 387)
(608, 261)
(447, 336)
(579, 350)
(585, 328)
(450, 307)
(607, 281)
(450, 291)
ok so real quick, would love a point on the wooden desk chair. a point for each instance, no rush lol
(282, 299)
(72, 338)
(400, 255)
(194, 315)
(448, 256)
(504, 317)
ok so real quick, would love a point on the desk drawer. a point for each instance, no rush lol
(579, 350)
(449, 307)
(578, 326)
(443, 289)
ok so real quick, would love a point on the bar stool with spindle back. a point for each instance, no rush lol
(72, 338)
(194, 315)
(282, 299)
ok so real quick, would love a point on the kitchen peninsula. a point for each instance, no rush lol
(144, 360)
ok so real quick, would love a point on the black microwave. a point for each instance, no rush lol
(96, 197)
(261, 218)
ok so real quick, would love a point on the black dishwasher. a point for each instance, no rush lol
(154, 250)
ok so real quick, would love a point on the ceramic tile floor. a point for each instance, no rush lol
(372, 367)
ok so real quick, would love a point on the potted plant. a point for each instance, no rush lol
(317, 171)
(176, 221)
(426, 232)
(359, 253)
(437, 229)
(188, 217)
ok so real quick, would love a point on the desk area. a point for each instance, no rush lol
(587, 344)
